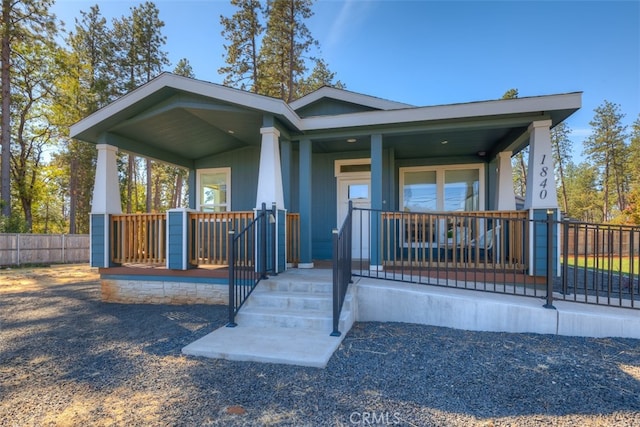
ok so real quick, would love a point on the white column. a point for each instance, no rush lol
(541, 182)
(506, 195)
(106, 189)
(270, 172)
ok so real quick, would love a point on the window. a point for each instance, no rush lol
(438, 189)
(448, 188)
(214, 190)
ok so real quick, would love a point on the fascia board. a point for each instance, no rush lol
(246, 99)
(570, 101)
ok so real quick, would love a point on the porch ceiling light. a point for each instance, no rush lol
(231, 131)
(351, 140)
(444, 142)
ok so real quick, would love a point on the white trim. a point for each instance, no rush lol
(440, 175)
(199, 172)
(337, 168)
(199, 87)
(479, 109)
(546, 103)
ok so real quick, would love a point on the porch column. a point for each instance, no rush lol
(193, 189)
(106, 201)
(269, 172)
(540, 196)
(306, 260)
(375, 261)
(541, 182)
(506, 195)
(285, 160)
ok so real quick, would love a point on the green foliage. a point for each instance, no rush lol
(607, 151)
(273, 59)
(13, 224)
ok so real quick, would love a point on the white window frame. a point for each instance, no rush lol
(200, 172)
(440, 177)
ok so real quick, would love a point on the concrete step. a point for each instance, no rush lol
(297, 286)
(290, 300)
(279, 345)
(274, 317)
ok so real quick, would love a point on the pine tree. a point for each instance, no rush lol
(562, 146)
(243, 31)
(319, 77)
(608, 151)
(22, 22)
(286, 43)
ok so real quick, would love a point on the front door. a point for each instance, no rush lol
(356, 189)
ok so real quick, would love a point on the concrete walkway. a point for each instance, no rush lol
(290, 326)
(287, 319)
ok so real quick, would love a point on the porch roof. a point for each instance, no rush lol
(180, 120)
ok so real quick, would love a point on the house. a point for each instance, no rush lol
(308, 160)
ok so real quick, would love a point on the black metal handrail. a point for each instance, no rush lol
(250, 258)
(342, 240)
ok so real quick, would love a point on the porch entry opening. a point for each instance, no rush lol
(354, 184)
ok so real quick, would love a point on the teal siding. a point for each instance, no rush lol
(98, 238)
(244, 164)
(175, 244)
(540, 243)
(331, 107)
(282, 240)
(325, 198)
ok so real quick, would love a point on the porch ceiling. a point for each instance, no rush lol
(180, 128)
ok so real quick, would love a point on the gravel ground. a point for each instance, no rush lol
(66, 358)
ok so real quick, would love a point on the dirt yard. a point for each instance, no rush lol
(69, 359)
(34, 278)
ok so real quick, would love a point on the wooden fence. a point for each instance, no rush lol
(20, 249)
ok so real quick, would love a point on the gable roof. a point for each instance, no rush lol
(371, 102)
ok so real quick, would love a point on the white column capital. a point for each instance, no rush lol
(270, 130)
(107, 147)
(540, 124)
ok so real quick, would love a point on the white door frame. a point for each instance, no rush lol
(360, 249)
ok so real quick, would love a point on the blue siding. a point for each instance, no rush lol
(330, 107)
(175, 244)
(325, 197)
(282, 240)
(540, 243)
(244, 164)
(98, 238)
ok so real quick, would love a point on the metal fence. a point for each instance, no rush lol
(543, 258)
(25, 249)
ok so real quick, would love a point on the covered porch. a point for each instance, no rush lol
(308, 160)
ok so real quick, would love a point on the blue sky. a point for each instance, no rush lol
(434, 52)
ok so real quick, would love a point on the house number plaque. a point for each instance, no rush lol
(544, 171)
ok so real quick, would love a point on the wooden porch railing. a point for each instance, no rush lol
(138, 238)
(141, 238)
(482, 239)
(210, 233)
(293, 238)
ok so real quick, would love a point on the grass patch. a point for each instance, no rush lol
(621, 264)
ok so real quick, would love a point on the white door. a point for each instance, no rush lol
(358, 191)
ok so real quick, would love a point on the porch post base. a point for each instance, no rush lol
(305, 265)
